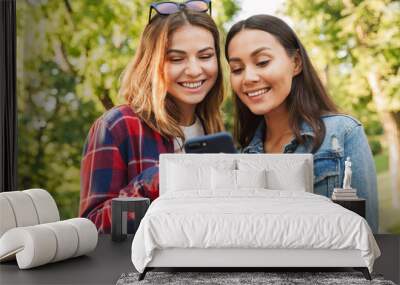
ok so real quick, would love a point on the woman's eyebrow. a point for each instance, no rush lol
(253, 53)
(183, 52)
(175, 50)
(259, 50)
(234, 59)
(205, 49)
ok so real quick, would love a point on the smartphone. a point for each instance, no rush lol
(216, 143)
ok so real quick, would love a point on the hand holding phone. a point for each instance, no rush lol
(215, 143)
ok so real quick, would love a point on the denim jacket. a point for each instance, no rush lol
(344, 137)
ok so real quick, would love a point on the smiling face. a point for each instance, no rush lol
(191, 66)
(261, 72)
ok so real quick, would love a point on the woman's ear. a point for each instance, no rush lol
(298, 64)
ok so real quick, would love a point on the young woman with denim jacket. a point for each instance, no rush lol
(173, 90)
(282, 107)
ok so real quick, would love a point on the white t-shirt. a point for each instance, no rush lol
(192, 131)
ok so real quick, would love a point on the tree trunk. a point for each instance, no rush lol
(105, 100)
(391, 126)
(392, 132)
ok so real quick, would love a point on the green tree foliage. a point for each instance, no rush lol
(346, 40)
(225, 11)
(70, 56)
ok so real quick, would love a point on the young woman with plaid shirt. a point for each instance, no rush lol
(173, 90)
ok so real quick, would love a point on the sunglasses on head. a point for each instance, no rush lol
(169, 7)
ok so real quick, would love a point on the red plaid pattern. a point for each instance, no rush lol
(120, 159)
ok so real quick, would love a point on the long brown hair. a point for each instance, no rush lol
(307, 100)
(144, 84)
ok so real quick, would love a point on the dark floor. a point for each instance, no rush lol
(110, 259)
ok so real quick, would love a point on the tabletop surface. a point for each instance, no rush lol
(110, 259)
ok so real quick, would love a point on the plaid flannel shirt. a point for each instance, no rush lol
(120, 159)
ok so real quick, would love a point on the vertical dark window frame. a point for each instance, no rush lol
(8, 98)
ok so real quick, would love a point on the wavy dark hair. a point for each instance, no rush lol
(307, 99)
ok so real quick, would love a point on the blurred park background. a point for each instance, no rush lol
(70, 55)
